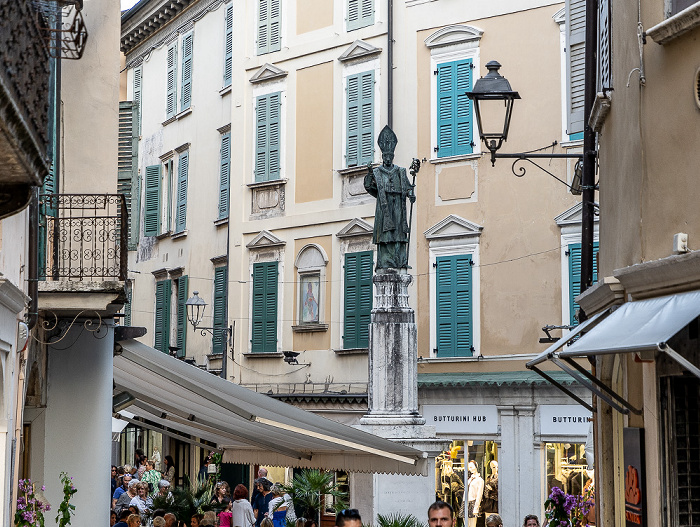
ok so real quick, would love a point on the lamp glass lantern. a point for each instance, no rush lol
(195, 309)
(493, 103)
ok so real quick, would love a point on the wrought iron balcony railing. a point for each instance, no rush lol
(83, 237)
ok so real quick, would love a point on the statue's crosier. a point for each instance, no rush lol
(389, 184)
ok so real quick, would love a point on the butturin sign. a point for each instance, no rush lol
(462, 418)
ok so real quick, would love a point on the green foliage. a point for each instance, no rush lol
(65, 509)
(185, 502)
(307, 488)
(398, 520)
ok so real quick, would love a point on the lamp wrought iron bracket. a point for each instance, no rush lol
(227, 332)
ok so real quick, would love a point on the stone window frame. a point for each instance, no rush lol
(306, 269)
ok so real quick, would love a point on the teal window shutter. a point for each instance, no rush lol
(138, 83)
(181, 192)
(127, 162)
(127, 305)
(357, 299)
(360, 119)
(264, 337)
(224, 175)
(219, 309)
(171, 82)
(228, 45)
(454, 109)
(267, 137)
(161, 333)
(187, 52)
(575, 277)
(360, 14)
(182, 316)
(269, 26)
(454, 306)
(152, 191)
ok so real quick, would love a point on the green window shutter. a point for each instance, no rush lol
(127, 305)
(267, 137)
(187, 52)
(228, 45)
(360, 14)
(181, 344)
(171, 82)
(224, 175)
(264, 337)
(575, 36)
(357, 299)
(360, 119)
(138, 83)
(219, 309)
(151, 216)
(181, 192)
(127, 174)
(269, 26)
(454, 109)
(161, 333)
(454, 306)
(575, 277)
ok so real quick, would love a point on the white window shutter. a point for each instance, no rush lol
(575, 64)
(604, 37)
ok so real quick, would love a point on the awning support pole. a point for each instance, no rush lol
(673, 354)
(593, 384)
(563, 389)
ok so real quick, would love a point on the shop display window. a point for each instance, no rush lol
(567, 468)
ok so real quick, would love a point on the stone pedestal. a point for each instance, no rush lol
(393, 400)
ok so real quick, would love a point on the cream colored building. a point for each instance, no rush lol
(308, 94)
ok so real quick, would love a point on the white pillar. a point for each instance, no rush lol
(508, 469)
(78, 421)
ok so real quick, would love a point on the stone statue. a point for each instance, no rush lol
(389, 184)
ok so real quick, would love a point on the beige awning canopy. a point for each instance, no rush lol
(248, 427)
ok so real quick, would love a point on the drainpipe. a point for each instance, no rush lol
(33, 250)
(390, 59)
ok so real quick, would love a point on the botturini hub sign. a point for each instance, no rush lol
(462, 418)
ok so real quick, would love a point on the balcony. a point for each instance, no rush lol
(24, 105)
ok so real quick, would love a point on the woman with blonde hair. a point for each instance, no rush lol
(134, 520)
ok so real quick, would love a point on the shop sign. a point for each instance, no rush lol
(564, 420)
(633, 441)
(462, 418)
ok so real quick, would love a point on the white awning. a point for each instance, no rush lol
(249, 427)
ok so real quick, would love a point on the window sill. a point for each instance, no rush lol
(220, 222)
(177, 116)
(263, 184)
(676, 25)
(451, 159)
(264, 355)
(163, 235)
(576, 143)
(355, 171)
(179, 235)
(225, 90)
(309, 328)
(352, 351)
(169, 120)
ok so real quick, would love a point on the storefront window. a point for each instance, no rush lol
(567, 468)
(451, 475)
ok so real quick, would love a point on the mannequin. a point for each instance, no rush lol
(155, 457)
(490, 502)
(473, 492)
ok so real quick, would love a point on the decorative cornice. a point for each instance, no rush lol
(601, 295)
(673, 274)
(456, 34)
(224, 129)
(560, 16)
(176, 272)
(219, 260)
(356, 227)
(268, 72)
(359, 50)
(453, 226)
(160, 274)
(12, 297)
(183, 148)
(572, 216)
(600, 110)
(167, 155)
(676, 25)
(265, 240)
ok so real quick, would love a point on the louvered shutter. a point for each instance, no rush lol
(127, 305)
(267, 137)
(224, 175)
(127, 174)
(454, 306)
(275, 25)
(171, 82)
(575, 21)
(138, 83)
(604, 37)
(151, 217)
(161, 333)
(181, 192)
(228, 45)
(264, 323)
(187, 52)
(269, 26)
(454, 109)
(360, 119)
(219, 309)
(357, 299)
(575, 277)
(182, 283)
(360, 14)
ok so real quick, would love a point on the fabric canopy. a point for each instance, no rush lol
(249, 427)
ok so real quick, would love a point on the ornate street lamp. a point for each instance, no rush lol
(493, 104)
(195, 312)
